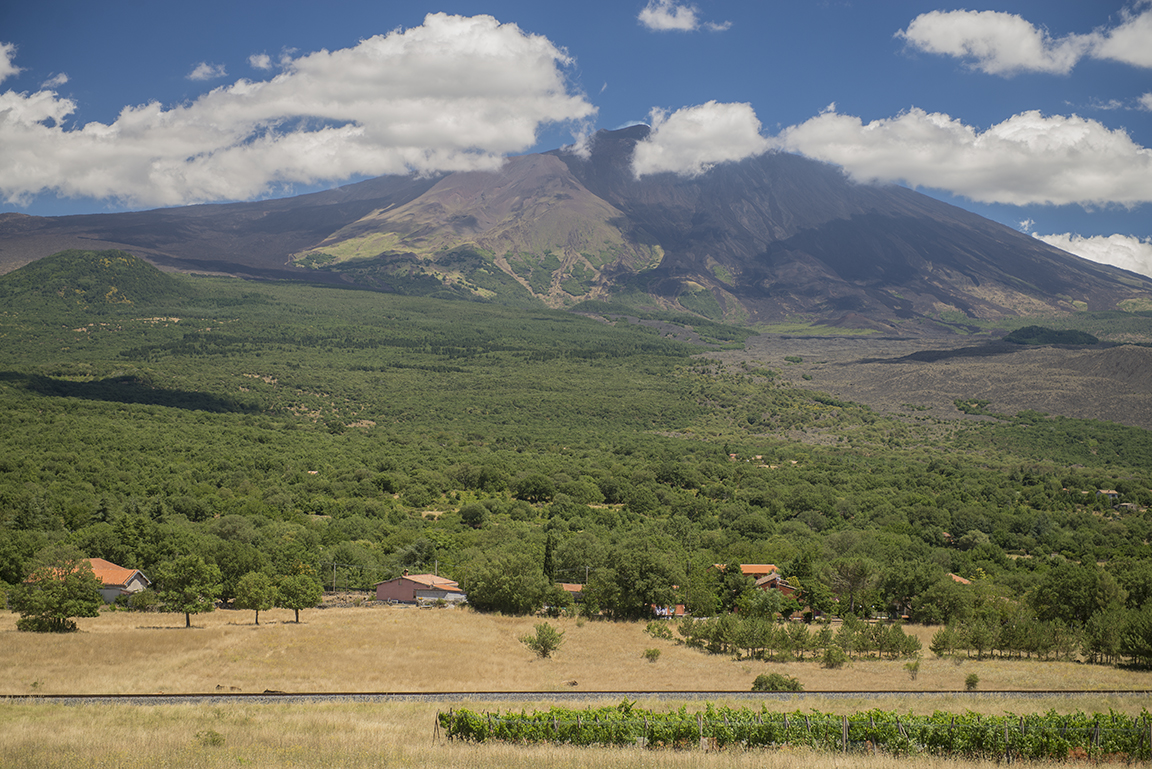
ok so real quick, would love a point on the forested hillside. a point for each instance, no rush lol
(352, 435)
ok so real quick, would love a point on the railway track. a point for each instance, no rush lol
(277, 697)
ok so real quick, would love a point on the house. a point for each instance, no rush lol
(958, 579)
(775, 582)
(415, 588)
(753, 570)
(116, 581)
(1112, 495)
(574, 589)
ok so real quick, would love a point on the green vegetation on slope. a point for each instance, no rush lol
(288, 427)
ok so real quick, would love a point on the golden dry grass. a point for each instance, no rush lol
(364, 735)
(375, 648)
(402, 649)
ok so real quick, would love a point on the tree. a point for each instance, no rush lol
(298, 591)
(510, 584)
(700, 593)
(188, 585)
(474, 515)
(852, 580)
(60, 586)
(734, 583)
(546, 640)
(535, 487)
(255, 591)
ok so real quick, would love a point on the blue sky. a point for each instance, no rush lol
(1035, 114)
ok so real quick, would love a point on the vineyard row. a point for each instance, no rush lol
(1045, 736)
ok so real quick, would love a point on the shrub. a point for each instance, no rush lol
(775, 682)
(658, 629)
(971, 682)
(913, 668)
(834, 657)
(546, 640)
(145, 600)
(651, 654)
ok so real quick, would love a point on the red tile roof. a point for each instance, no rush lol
(752, 569)
(112, 575)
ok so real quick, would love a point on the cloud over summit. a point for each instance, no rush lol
(693, 139)
(1028, 158)
(455, 93)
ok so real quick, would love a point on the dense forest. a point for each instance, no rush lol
(351, 435)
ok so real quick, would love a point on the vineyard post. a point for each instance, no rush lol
(844, 733)
(436, 728)
(1007, 752)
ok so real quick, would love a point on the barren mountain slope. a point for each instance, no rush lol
(1106, 383)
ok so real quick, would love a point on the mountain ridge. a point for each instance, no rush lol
(770, 238)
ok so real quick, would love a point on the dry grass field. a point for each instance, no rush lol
(328, 735)
(402, 649)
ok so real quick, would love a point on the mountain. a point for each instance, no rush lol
(772, 237)
(88, 280)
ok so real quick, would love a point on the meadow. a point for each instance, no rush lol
(400, 649)
(382, 648)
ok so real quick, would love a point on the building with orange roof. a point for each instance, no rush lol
(116, 581)
(753, 570)
(414, 588)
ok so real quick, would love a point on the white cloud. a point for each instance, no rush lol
(1026, 225)
(995, 42)
(1131, 42)
(55, 81)
(7, 68)
(1146, 102)
(260, 61)
(1006, 44)
(1028, 158)
(664, 15)
(693, 139)
(455, 93)
(668, 15)
(206, 71)
(1124, 251)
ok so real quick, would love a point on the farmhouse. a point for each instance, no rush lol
(414, 588)
(775, 582)
(116, 581)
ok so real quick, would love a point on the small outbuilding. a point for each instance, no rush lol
(116, 581)
(414, 588)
